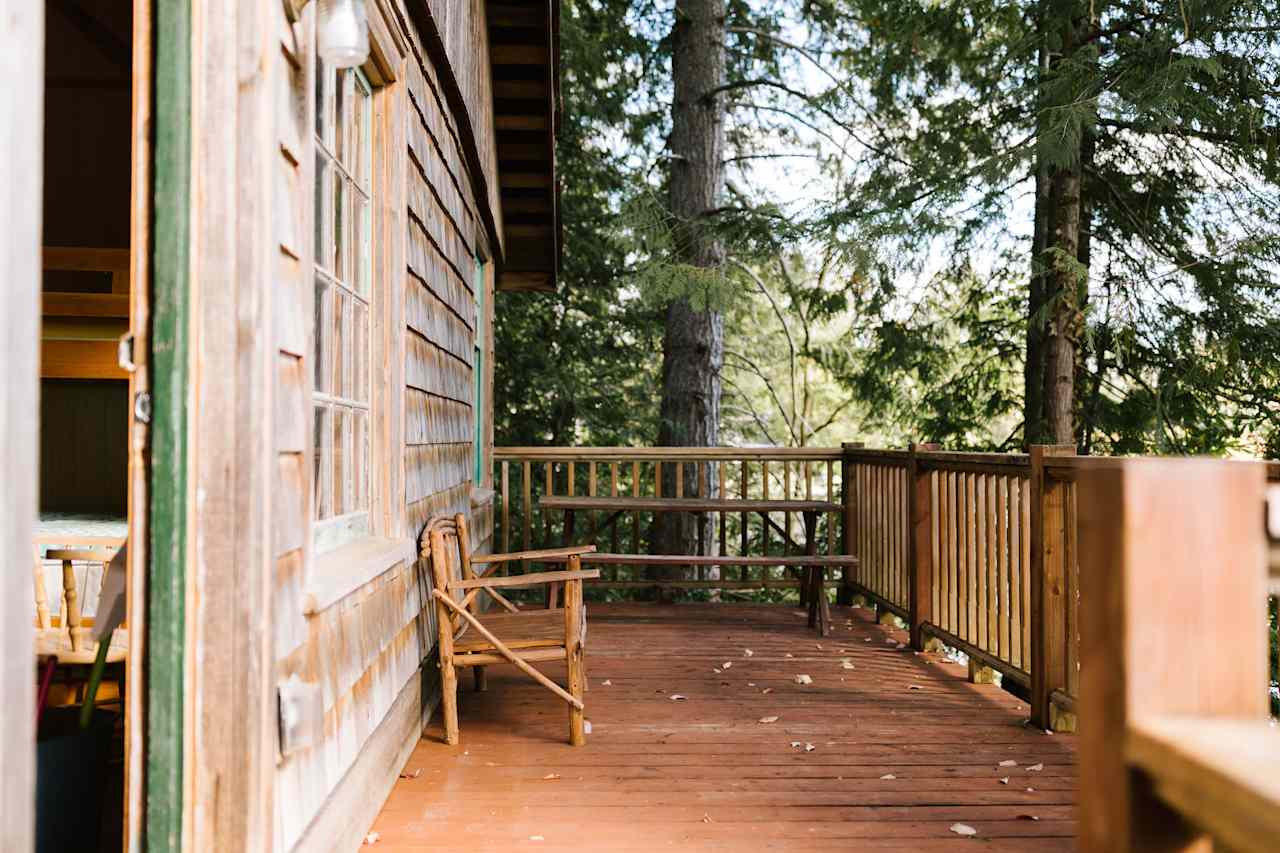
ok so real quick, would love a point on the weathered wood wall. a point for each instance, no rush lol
(365, 647)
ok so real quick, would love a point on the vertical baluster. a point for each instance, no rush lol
(548, 491)
(723, 493)
(980, 562)
(526, 508)
(1016, 535)
(1026, 573)
(1002, 567)
(592, 520)
(505, 499)
(993, 587)
(957, 548)
(943, 611)
(617, 521)
(744, 524)
(764, 517)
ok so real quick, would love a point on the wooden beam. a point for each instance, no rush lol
(1173, 624)
(61, 359)
(1048, 582)
(85, 304)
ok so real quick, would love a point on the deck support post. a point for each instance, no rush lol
(1048, 582)
(919, 546)
(1166, 547)
(844, 595)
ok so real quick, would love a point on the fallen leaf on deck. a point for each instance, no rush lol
(914, 687)
(550, 777)
(536, 838)
(586, 727)
(751, 684)
(1027, 817)
(747, 652)
(888, 776)
(846, 664)
(818, 646)
(413, 774)
(1008, 762)
(1031, 790)
(766, 690)
(606, 683)
(963, 829)
(1004, 780)
(866, 639)
(803, 679)
(890, 641)
(706, 818)
(716, 670)
(677, 697)
(795, 744)
(901, 646)
(773, 719)
(372, 838)
(726, 664)
(1036, 768)
(808, 747)
(788, 654)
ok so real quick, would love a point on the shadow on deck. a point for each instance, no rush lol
(904, 748)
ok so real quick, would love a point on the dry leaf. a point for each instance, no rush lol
(726, 664)
(677, 697)
(536, 838)
(748, 652)
(550, 777)
(766, 690)
(706, 818)
(751, 684)
(607, 683)
(890, 641)
(914, 687)
(803, 679)
(412, 774)
(1031, 790)
(808, 747)
(888, 776)
(1008, 762)
(372, 838)
(901, 646)
(963, 829)
(1036, 768)
(773, 719)
(846, 664)
(818, 646)
(795, 744)
(1027, 817)
(1004, 780)
(716, 670)
(788, 654)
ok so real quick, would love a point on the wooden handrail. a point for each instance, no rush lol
(1219, 774)
(664, 454)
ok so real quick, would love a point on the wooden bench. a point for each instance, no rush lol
(469, 638)
(813, 586)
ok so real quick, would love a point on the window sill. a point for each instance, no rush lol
(340, 572)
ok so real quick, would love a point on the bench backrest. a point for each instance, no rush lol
(445, 544)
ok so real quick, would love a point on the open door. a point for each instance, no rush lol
(21, 120)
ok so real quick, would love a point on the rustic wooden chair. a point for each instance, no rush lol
(69, 640)
(467, 637)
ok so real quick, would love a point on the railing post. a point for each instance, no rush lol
(1048, 583)
(1172, 563)
(920, 545)
(844, 594)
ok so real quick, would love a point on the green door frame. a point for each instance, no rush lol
(170, 371)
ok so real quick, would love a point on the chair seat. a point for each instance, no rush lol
(528, 629)
(56, 641)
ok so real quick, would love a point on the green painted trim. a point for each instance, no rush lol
(166, 588)
(477, 409)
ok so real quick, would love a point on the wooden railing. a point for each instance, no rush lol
(524, 475)
(976, 551)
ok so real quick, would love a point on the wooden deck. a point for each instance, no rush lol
(903, 747)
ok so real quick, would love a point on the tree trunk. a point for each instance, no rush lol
(1034, 428)
(1065, 284)
(693, 342)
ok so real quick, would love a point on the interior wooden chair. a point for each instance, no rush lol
(69, 637)
(469, 637)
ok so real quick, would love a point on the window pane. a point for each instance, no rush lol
(322, 195)
(360, 458)
(322, 345)
(320, 465)
(339, 324)
(339, 462)
(362, 131)
(360, 353)
(322, 114)
(340, 118)
(364, 257)
(339, 249)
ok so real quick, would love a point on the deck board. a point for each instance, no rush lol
(704, 774)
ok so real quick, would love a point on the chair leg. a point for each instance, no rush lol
(573, 623)
(449, 702)
(482, 681)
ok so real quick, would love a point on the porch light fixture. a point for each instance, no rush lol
(343, 37)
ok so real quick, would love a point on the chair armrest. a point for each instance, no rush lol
(525, 580)
(547, 555)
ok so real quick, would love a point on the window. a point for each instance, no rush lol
(343, 283)
(477, 370)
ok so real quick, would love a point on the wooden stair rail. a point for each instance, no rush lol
(1174, 657)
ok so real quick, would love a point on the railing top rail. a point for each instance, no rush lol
(665, 454)
(948, 459)
(877, 454)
